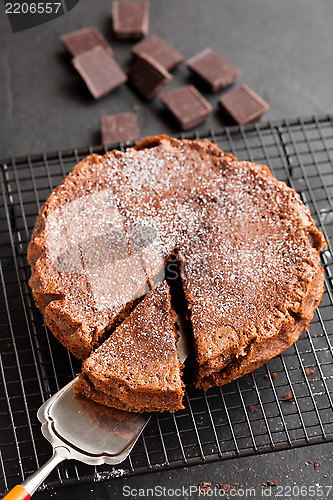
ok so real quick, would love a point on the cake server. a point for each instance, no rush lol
(80, 429)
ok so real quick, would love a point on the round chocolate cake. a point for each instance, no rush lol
(245, 252)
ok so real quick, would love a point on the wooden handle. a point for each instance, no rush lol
(17, 493)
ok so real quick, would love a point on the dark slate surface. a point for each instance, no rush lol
(284, 50)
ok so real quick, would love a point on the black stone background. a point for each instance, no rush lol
(284, 50)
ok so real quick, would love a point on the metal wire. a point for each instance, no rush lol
(248, 416)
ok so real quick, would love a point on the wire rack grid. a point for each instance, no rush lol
(246, 417)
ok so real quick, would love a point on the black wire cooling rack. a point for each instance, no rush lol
(248, 416)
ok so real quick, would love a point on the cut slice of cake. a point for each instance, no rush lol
(137, 367)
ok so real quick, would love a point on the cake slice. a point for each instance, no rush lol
(137, 367)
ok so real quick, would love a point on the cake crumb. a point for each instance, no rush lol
(317, 464)
(289, 396)
(204, 486)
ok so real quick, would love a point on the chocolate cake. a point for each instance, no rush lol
(247, 250)
(137, 367)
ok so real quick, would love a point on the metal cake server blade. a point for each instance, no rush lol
(80, 429)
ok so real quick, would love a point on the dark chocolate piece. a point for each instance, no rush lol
(243, 105)
(187, 105)
(120, 128)
(215, 71)
(83, 40)
(148, 77)
(159, 50)
(130, 19)
(100, 71)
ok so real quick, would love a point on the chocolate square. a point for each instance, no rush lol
(215, 71)
(130, 19)
(153, 46)
(187, 106)
(83, 40)
(120, 128)
(148, 77)
(243, 105)
(100, 71)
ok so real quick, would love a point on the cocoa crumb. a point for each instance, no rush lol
(252, 408)
(317, 464)
(273, 375)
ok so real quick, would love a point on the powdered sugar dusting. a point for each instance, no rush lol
(240, 234)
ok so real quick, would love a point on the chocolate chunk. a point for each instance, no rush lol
(243, 105)
(187, 106)
(83, 40)
(130, 19)
(120, 128)
(215, 71)
(100, 71)
(159, 50)
(148, 77)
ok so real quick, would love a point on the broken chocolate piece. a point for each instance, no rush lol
(130, 19)
(216, 72)
(243, 105)
(159, 50)
(83, 40)
(120, 128)
(148, 76)
(100, 71)
(187, 106)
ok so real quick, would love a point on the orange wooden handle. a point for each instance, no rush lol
(17, 493)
